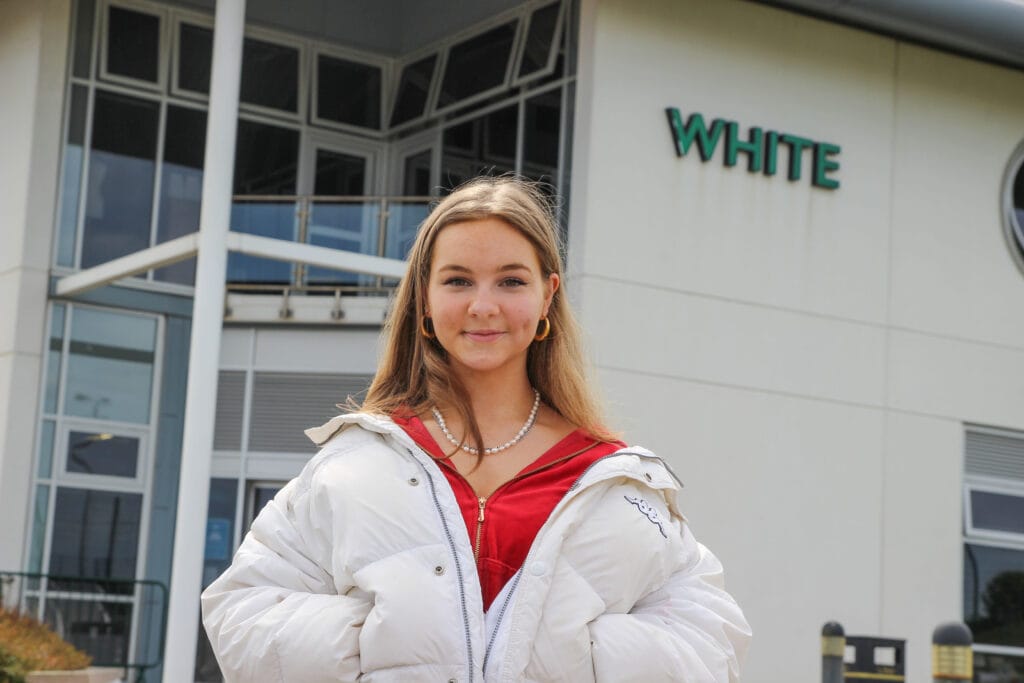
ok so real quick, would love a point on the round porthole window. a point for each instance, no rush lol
(1013, 205)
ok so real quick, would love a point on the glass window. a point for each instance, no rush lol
(1016, 217)
(53, 358)
(119, 198)
(270, 75)
(85, 13)
(95, 533)
(413, 90)
(1001, 668)
(416, 174)
(541, 136)
(539, 40)
(477, 64)
(266, 160)
(997, 511)
(348, 92)
(46, 434)
(102, 454)
(71, 182)
(481, 146)
(342, 225)
(195, 57)
(133, 44)
(994, 594)
(220, 543)
(181, 185)
(42, 506)
(110, 366)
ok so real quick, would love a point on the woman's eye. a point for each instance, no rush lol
(457, 281)
(513, 282)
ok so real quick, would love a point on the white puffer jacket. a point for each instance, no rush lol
(361, 569)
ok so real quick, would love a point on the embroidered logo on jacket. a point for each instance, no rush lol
(648, 511)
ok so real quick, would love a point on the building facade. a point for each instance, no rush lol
(795, 245)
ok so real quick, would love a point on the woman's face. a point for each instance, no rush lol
(486, 295)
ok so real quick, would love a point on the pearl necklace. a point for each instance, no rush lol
(495, 449)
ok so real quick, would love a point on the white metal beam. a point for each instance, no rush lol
(204, 349)
(325, 257)
(139, 262)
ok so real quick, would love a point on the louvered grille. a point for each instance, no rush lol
(227, 432)
(285, 403)
(995, 455)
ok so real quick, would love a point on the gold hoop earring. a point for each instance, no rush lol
(547, 330)
(428, 333)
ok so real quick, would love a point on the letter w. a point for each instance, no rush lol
(694, 129)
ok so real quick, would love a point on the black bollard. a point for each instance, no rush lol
(833, 647)
(952, 656)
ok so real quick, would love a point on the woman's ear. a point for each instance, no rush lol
(553, 282)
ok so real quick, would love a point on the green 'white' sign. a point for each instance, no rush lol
(760, 146)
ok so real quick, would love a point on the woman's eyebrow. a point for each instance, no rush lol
(463, 269)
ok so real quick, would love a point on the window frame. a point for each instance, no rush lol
(386, 67)
(1013, 229)
(990, 485)
(556, 44)
(102, 23)
(441, 60)
(179, 18)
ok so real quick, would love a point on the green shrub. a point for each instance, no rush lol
(27, 645)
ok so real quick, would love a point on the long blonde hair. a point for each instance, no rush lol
(414, 374)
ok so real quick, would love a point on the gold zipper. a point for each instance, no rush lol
(482, 500)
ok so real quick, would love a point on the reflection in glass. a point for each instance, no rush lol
(994, 593)
(133, 44)
(997, 511)
(413, 89)
(477, 64)
(992, 668)
(347, 226)
(53, 357)
(348, 92)
(181, 185)
(268, 219)
(95, 533)
(100, 629)
(46, 434)
(110, 365)
(120, 189)
(102, 454)
(42, 505)
(195, 57)
(71, 179)
(270, 75)
(541, 136)
(539, 39)
(266, 159)
(482, 146)
(404, 220)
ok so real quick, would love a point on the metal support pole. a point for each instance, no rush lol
(833, 647)
(204, 349)
(952, 656)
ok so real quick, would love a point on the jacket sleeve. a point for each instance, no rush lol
(688, 629)
(276, 613)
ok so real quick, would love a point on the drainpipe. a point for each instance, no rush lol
(204, 349)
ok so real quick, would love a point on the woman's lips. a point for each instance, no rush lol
(483, 335)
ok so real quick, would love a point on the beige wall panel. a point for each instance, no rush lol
(787, 492)
(643, 214)
(961, 380)
(958, 122)
(305, 350)
(653, 331)
(922, 545)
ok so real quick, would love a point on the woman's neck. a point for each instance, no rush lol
(498, 401)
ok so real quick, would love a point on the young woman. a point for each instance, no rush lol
(474, 520)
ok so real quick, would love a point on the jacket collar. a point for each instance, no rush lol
(644, 466)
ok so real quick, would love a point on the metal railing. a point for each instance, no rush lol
(118, 622)
(374, 225)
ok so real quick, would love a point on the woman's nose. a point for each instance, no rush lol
(482, 304)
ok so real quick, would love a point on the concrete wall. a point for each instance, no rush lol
(805, 358)
(33, 46)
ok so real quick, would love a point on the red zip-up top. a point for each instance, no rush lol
(503, 525)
